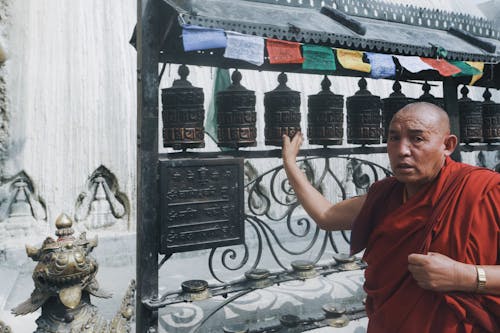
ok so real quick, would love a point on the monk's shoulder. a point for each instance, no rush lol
(478, 182)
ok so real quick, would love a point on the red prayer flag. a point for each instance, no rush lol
(282, 52)
(442, 66)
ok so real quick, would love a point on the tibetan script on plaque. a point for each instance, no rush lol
(201, 203)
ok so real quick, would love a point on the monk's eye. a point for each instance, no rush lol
(393, 138)
(418, 139)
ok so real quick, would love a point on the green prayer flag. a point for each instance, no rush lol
(222, 81)
(318, 58)
(465, 69)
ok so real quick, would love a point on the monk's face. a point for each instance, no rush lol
(418, 144)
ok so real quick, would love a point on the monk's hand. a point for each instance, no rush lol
(291, 148)
(435, 271)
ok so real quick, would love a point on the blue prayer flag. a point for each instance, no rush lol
(199, 38)
(383, 65)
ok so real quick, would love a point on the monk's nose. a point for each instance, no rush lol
(404, 148)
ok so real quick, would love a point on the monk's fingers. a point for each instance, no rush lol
(298, 138)
(421, 276)
(417, 259)
(438, 256)
(416, 270)
(286, 140)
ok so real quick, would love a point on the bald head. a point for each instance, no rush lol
(435, 117)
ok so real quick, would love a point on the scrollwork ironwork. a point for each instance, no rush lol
(277, 224)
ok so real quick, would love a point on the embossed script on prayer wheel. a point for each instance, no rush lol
(325, 116)
(363, 116)
(471, 118)
(236, 115)
(183, 114)
(491, 119)
(282, 112)
(429, 98)
(390, 105)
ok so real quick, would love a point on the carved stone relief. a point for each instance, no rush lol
(22, 211)
(4, 328)
(101, 205)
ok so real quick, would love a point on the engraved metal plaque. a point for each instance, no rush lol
(201, 205)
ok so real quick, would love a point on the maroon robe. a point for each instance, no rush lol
(465, 227)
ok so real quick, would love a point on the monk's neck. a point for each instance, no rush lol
(411, 189)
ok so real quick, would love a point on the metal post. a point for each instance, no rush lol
(147, 240)
(450, 95)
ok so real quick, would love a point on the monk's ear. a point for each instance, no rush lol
(450, 143)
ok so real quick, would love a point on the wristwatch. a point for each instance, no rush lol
(481, 279)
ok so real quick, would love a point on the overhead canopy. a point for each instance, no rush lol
(360, 25)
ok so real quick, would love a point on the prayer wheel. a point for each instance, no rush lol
(236, 115)
(392, 104)
(471, 118)
(183, 114)
(325, 116)
(491, 119)
(363, 116)
(282, 112)
(429, 98)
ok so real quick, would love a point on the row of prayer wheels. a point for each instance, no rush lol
(368, 116)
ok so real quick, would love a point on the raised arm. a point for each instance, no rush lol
(327, 215)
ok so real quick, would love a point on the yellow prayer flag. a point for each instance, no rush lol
(478, 65)
(350, 59)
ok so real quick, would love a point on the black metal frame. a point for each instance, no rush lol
(265, 193)
(150, 35)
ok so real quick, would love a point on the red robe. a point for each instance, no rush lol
(467, 229)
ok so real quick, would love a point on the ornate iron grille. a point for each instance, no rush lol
(281, 244)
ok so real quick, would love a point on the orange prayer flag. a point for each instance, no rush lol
(442, 66)
(283, 52)
(350, 59)
(478, 65)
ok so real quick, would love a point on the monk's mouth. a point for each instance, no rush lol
(404, 167)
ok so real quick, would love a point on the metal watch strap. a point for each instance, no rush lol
(481, 279)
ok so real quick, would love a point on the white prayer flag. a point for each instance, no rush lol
(245, 47)
(413, 64)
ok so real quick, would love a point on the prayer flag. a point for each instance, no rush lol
(413, 64)
(318, 57)
(245, 47)
(479, 66)
(283, 52)
(465, 69)
(350, 59)
(382, 65)
(200, 38)
(222, 81)
(442, 66)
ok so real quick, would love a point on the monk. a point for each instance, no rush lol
(431, 233)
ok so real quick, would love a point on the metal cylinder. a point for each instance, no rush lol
(471, 118)
(183, 114)
(325, 116)
(429, 98)
(392, 104)
(236, 115)
(282, 112)
(363, 116)
(491, 119)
